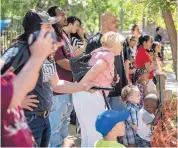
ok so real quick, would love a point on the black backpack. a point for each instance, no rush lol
(19, 59)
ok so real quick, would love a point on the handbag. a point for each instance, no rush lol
(79, 66)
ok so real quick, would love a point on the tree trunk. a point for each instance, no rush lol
(122, 19)
(171, 30)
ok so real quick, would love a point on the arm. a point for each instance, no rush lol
(28, 74)
(158, 116)
(64, 63)
(127, 69)
(62, 86)
(149, 67)
(98, 68)
(144, 84)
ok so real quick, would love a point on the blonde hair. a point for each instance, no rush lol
(111, 38)
(127, 91)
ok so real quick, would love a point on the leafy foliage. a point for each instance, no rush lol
(89, 11)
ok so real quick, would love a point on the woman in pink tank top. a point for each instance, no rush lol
(88, 106)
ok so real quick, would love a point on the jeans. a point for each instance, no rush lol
(40, 128)
(60, 113)
(116, 103)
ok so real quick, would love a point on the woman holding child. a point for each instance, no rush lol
(88, 106)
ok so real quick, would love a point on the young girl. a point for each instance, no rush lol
(129, 57)
(141, 78)
(131, 95)
(156, 57)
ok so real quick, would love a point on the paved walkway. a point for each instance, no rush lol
(171, 82)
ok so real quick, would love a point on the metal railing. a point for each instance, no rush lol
(7, 38)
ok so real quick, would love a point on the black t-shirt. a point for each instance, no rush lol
(94, 43)
(158, 38)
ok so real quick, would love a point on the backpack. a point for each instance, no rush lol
(19, 59)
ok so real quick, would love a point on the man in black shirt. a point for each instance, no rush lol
(158, 37)
(109, 22)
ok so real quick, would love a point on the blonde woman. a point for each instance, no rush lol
(88, 106)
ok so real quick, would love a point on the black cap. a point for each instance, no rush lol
(34, 17)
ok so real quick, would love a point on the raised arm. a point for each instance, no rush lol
(26, 79)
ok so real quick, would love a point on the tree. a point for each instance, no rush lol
(166, 9)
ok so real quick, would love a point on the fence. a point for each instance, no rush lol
(7, 38)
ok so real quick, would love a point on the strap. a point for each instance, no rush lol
(105, 99)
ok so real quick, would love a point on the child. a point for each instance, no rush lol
(146, 118)
(111, 125)
(156, 57)
(140, 79)
(129, 57)
(131, 95)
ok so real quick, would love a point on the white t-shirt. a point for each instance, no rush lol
(151, 86)
(144, 128)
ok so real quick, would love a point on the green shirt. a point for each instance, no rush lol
(110, 144)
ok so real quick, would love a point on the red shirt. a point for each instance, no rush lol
(64, 53)
(14, 128)
(143, 57)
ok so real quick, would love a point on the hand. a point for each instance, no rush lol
(143, 83)
(29, 102)
(68, 143)
(43, 46)
(87, 87)
(133, 71)
(135, 127)
(80, 33)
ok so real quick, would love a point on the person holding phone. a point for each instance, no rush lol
(48, 80)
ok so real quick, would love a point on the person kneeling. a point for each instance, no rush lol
(111, 125)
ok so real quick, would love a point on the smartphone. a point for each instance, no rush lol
(36, 34)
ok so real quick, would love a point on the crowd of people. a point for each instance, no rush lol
(39, 92)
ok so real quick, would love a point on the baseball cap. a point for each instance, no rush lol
(4, 23)
(36, 17)
(108, 119)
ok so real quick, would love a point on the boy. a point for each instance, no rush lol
(147, 117)
(111, 125)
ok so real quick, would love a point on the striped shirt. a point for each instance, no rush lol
(76, 42)
(130, 134)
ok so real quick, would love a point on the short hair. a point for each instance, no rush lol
(52, 11)
(72, 19)
(152, 96)
(157, 29)
(133, 27)
(111, 37)
(127, 91)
